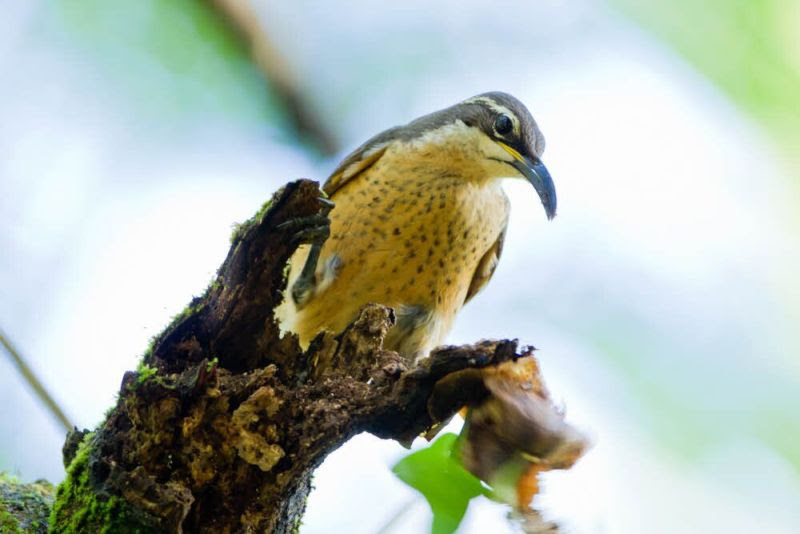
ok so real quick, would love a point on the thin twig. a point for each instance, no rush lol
(278, 72)
(34, 383)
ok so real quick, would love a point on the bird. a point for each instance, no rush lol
(417, 223)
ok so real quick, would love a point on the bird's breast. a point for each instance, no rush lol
(409, 237)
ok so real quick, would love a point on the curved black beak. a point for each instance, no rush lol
(539, 177)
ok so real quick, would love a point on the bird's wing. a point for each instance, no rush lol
(358, 161)
(486, 266)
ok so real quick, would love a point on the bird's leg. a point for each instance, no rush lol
(313, 230)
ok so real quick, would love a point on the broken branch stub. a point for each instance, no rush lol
(223, 423)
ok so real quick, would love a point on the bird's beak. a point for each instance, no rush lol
(537, 174)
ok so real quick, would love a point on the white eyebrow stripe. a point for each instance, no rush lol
(498, 108)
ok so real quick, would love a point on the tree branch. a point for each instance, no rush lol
(277, 70)
(224, 421)
(39, 390)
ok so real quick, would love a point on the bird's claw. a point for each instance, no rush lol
(314, 229)
(327, 204)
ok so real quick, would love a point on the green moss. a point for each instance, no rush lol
(265, 207)
(240, 229)
(79, 507)
(24, 507)
(113, 406)
(5, 478)
(9, 523)
(151, 346)
(144, 372)
(215, 285)
(195, 306)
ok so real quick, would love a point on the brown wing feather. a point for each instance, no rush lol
(358, 161)
(486, 266)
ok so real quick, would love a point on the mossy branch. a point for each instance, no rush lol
(222, 424)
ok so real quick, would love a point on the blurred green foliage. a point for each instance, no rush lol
(168, 61)
(748, 48)
(751, 51)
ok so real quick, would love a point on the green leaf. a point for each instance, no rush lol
(439, 476)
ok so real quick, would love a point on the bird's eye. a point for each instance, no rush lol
(503, 124)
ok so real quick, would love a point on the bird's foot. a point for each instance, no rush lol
(313, 229)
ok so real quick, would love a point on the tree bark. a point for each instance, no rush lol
(223, 423)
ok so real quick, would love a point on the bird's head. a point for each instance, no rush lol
(501, 132)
